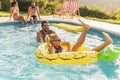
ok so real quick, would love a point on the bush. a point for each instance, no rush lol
(118, 15)
(84, 11)
(45, 6)
(51, 7)
(5, 5)
(48, 7)
(23, 5)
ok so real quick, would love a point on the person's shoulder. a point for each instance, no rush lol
(40, 31)
(29, 7)
(65, 43)
(36, 6)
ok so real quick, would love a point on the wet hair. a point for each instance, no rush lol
(51, 37)
(44, 22)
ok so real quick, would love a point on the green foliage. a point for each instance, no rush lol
(0, 4)
(7, 14)
(45, 6)
(118, 15)
(4, 14)
(49, 6)
(23, 5)
(84, 11)
(105, 20)
(5, 5)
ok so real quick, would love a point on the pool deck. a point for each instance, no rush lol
(103, 26)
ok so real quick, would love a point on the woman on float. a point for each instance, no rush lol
(55, 43)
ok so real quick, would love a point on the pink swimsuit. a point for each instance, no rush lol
(15, 10)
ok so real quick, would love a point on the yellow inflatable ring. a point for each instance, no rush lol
(81, 56)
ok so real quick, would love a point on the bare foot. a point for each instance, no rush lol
(84, 25)
(107, 38)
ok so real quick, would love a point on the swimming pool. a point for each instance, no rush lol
(17, 56)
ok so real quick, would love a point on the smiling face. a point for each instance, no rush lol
(15, 5)
(45, 27)
(33, 4)
(54, 40)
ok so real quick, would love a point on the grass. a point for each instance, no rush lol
(7, 14)
(105, 20)
(4, 14)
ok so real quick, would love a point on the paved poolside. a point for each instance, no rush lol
(103, 26)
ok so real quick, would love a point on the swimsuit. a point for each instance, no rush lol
(58, 50)
(15, 10)
(34, 17)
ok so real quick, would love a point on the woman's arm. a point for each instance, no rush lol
(52, 49)
(28, 14)
(11, 11)
(18, 10)
(66, 44)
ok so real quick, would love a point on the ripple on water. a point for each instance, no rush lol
(17, 57)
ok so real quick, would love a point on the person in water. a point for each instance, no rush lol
(33, 13)
(55, 43)
(14, 12)
(41, 34)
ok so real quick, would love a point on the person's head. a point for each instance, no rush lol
(53, 39)
(45, 26)
(33, 4)
(14, 4)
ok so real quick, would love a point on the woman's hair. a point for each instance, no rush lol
(13, 3)
(51, 37)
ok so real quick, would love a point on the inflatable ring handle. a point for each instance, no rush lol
(81, 57)
(50, 58)
(38, 54)
(65, 58)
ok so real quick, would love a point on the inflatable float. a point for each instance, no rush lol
(81, 56)
(109, 54)
(68, 27)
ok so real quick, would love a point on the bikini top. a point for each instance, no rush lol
(15, 10)
(58, 50)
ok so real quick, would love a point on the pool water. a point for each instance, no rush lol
(18, 62)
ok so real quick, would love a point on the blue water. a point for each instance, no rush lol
(17, 56)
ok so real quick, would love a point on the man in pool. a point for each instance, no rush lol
(54, 42)
(33, 13)
(41, 34)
